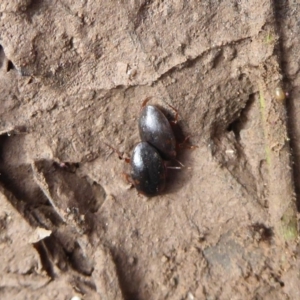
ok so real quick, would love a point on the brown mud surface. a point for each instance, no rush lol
(73, 77)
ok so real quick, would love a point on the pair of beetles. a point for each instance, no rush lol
(158, 145)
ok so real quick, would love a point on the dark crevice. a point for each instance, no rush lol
(281, 12)
(127, 282)
(35, 7)
(218, 59)
(266, 233)
(84, 285)
(10, 66)
(294, 144)
(80, 262)
(237, 156)
(240, 123)
(53, 252)
(235, 127)
(44, 215)
(61, 249)
(21, 201)
(46, 263)
(4, 62)
(2, 56)
(142, 13)
(16, 180)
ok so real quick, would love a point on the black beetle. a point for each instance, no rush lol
(155, 129)
(148, 170)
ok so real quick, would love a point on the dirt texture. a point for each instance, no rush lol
(74, 75)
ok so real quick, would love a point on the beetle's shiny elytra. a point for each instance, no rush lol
(148, 170)
(155, 129)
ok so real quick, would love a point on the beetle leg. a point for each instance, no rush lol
(128, 179)
(182, 166)
(184, 144)
(120, 154)
(145, 102)
(179, 162)
(174, 168)
(176, 114)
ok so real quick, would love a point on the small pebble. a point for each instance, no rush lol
(280, 94)
(131, 260)
(190, 296)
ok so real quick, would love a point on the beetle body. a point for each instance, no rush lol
(148, 170)
(155, 129)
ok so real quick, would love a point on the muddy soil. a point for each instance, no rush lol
(74, 75)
